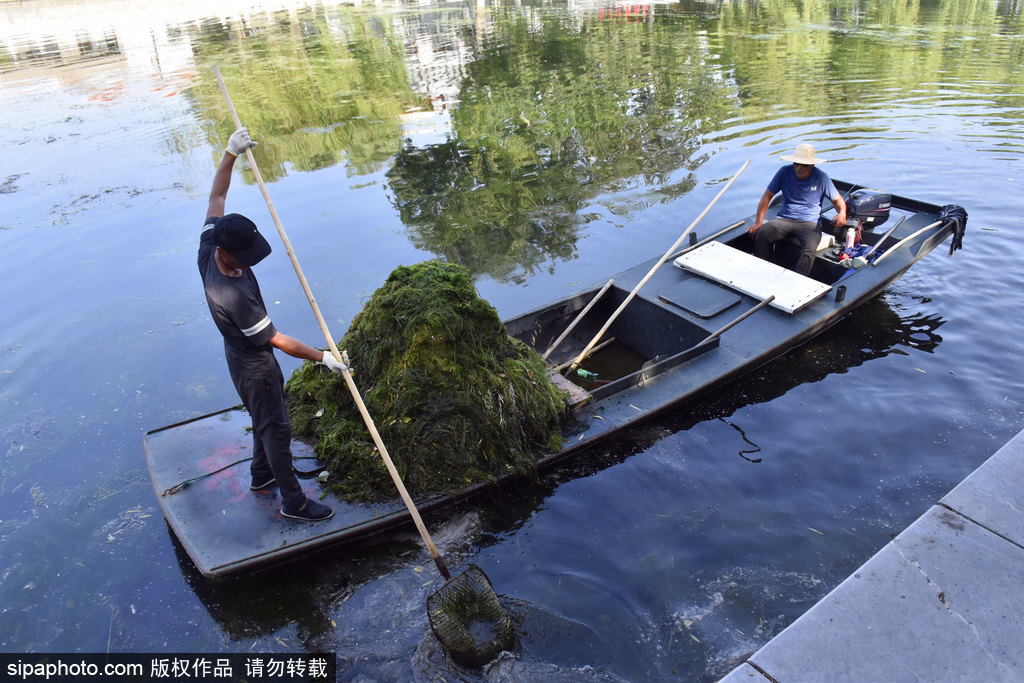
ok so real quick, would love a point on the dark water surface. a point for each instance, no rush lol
(546, 147)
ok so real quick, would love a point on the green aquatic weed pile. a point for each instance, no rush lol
(455, 399)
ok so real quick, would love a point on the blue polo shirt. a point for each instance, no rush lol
(801, 199)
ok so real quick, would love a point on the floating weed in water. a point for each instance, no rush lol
(37, 496)
(733, 613)
(127, 521)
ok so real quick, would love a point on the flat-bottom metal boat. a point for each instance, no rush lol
(713, 313)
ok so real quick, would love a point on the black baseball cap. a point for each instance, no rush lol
(237, 235)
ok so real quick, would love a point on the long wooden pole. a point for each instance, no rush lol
(904, 241)
(728, 326)
(706, 240)
(650, 273)
(370, 426)
(606, 342)
(885, 236)
(578, 318)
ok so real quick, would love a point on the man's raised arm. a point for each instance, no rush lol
(237, 144)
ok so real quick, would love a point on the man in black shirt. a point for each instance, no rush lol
(228, 248)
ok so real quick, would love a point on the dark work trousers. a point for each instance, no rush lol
(263, 397)
(778, 229)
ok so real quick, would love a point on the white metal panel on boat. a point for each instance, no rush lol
(753, 276)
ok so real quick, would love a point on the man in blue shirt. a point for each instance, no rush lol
(803, 186)
(230, 245)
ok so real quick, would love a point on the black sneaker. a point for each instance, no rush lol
(309, 511)
(261, 482)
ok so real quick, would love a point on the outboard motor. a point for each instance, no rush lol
(869, 208)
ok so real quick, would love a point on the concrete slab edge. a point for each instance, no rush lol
(991, 499)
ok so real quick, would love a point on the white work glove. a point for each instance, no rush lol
(239, 142)
(335, 366)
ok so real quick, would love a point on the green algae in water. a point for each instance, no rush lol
(456, 399)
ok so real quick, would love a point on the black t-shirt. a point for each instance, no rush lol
(237, 307)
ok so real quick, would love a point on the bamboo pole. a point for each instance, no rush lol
(650, 274)
(578, 318)
(903, 241)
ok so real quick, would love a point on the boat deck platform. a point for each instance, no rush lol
(943, 601)
(200, 473)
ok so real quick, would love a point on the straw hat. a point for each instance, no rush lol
(804, 155)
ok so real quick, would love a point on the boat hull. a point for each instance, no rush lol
(682, 335)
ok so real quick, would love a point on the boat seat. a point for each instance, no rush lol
(826, 240)
(752, 276)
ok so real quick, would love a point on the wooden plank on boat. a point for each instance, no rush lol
(225, 527)
(577, 394)
(753, 276)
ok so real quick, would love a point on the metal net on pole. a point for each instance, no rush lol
(469, 620)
